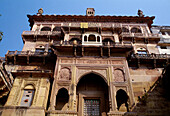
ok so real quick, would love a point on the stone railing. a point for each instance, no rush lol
(41, 32)
(129, 34)
(27, 53)
(79, 43)
(151, 56)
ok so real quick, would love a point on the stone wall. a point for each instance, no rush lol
(142, 79)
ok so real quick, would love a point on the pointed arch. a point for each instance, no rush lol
(62, 99)
(46, 29)
(92, 72)
(122, 98)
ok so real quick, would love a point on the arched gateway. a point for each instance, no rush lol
(92, 96)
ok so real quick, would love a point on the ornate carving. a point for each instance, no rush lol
(65, 74)
(92, 62)
(119, 75)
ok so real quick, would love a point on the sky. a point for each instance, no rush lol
(13, 19)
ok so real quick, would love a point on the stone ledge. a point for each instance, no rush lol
(61, 112)
(122, 114)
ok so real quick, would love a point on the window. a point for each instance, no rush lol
(141, 51)
(28, 95)
(98, 39)
(46, 29)
(125, 29)
(136, 30)
(40, 48)
(163, 33)
(91, 107)
(92, 38)
(163, 47)
(57, 29)
(85, 38)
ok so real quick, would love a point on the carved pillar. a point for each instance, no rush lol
(73, 105)
(53, 97)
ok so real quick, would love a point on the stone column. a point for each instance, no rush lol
(73, 90)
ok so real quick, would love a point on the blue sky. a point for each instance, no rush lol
(14, 14)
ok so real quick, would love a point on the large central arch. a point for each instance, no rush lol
(92, 96)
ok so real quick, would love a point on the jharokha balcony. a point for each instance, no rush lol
(27, 57)
(150, 60)
(92, 43)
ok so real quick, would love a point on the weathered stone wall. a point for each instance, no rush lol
(142, 79)
(156, 104)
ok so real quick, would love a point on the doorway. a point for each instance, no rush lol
(92, 96)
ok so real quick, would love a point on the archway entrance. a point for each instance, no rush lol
(92, 96)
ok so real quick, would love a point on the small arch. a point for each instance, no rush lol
(92, 38)
(57, 29)
(46, 29)
(29, 86)
(39, 48)
(136, 30)
(85, 38)
(62, 99)
(122, 98)
(124, 29)
(141, 50)
(98, 38)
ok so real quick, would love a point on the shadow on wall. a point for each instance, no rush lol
(156, 101)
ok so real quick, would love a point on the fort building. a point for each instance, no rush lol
(83, 65)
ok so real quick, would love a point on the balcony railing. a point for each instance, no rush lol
(27, 53)
(151, 56)
(128, 34)
(41, 32)
(79, 43)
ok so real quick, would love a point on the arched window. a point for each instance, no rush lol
(92, 38)
(85, 38)
(57, 29)
(40, 48)
(62, 99)
(136, 30)
(141, 50)
(46, 29)
(28, 96)
(124, 29)
(98, 38)
(122, 100)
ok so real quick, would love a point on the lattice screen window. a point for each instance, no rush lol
(91, 107)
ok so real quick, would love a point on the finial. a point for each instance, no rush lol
(40, 11)
(140, 13)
